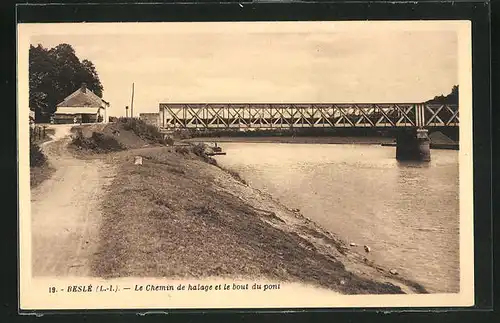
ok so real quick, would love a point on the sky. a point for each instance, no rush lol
(186, 64)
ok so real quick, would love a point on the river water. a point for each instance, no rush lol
(407, 213)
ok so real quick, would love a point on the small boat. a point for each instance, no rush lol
(216, 149)
(215, 153)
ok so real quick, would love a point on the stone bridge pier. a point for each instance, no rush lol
(413, 145)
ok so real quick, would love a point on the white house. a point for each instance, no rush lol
(81, 106)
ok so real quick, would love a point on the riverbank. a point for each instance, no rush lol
(297, 140)
(383, 141)
(178, 215)
(432, 146)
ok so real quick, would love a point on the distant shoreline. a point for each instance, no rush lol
(442, 146)
(383, 141)
(297, 140)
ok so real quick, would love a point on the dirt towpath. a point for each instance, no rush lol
(65, 211)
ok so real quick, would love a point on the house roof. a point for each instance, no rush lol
(77, 110)
(83, 97)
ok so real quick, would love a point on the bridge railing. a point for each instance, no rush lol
(267, 116)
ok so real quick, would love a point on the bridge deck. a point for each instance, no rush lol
(268, 116)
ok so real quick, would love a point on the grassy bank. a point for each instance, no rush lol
(178, 215)
(174, 216)
(40, 168)
(39, 174)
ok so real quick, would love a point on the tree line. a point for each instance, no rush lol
(55, 73)
(451, 98)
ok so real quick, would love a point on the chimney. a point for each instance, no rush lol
(83, 87)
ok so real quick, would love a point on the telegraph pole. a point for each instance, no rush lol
(132, 103)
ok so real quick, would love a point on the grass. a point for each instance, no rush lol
(39, 174)
(37, 157)
(174, 217)
(169, 141)
(178, 216)
(98, 142)
(200, 151)
(183, 150)
(197, 149)
(40, 170)
(182, 134)
(234, 174)
(142, 129)
(40, 134)
(125, 133)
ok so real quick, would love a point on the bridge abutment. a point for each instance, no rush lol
(413, 144)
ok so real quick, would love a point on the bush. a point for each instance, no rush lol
(182, 134)
(199, 150)
(98, 142)
(37, 157)
(169, 141)
(182, 150)
(143, 130)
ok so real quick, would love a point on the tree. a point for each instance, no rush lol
(40, 79)
(451, 98)
(56, 73)
(90, 76)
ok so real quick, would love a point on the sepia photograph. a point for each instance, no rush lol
(245, 164)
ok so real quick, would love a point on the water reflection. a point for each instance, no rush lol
(413, 164)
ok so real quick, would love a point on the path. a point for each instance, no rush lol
(65, 211)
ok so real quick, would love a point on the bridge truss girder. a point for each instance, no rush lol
(269, 116)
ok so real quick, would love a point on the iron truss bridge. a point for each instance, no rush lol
(268, 116)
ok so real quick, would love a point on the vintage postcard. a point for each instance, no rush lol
(245, 165)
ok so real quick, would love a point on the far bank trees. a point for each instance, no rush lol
(451, 98)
